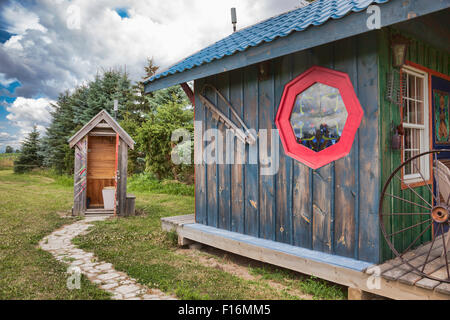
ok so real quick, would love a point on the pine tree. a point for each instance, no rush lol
(72, 111)
(136, 111)
(30, 157)
(56, 151)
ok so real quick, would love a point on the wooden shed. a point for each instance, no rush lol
(336, 96)
(101, 156)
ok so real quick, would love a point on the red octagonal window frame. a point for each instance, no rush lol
(332, 78)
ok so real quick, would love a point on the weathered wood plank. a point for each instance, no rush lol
(284, 209)
(322, 209)
(431, 266)
(401, 270)
(322, 180)
(200, 167)
(385, 123)
(212, 157)
(224, 169)
(237, 169)
(443, 288)
(369, 157)
(441, 273)
(251, 170)
(302, 177)
(346, 189)
(267, 199)
(80, 180)
(427, 283)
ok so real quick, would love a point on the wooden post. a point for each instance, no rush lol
(188, 92)
(116, 174)
(122, 171)
(80, 177)
(130, 206)
(358, 294)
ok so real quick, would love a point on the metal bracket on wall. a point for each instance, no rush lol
(245, 136)
(395, 87)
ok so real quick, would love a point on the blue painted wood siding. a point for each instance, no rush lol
(333, 209)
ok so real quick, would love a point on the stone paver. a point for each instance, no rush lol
(119, 284)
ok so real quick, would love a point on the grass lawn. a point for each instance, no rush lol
(30, 208)
(139, 247)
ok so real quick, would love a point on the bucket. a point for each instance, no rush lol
(108, 197)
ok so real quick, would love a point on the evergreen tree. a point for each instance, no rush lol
(9, 149)
(154, 139)
(141, 108)
(137, 111)
(101, 93)
(30, 157)
(56, 151)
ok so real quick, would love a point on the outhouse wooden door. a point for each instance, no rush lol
(101, 168)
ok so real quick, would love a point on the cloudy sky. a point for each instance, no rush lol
(49, 46)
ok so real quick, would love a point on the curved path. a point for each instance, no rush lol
(119, 284)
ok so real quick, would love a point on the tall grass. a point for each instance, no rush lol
(7, 160)
(61, 180)
(146, 182)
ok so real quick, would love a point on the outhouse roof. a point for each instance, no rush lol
(106, 117)
(305, 18)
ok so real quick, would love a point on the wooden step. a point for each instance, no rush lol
(99, 211)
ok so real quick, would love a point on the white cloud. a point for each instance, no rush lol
(24, 113)
(7, 139)
(4, 136)
(48, 57)
(19, 19)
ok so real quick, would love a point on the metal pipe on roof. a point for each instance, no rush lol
(233, 18)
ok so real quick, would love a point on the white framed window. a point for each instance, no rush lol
(415, 113)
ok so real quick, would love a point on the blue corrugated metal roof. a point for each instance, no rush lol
(282, 25)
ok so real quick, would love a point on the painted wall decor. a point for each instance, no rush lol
(441, 105)
(318, 116)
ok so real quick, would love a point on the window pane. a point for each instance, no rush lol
(405, 110)
(411, 149)
(318, 117)
(419, 88)
(407, 139)
(416, 149)
(419, 112)
(412, 87)
(408, 165)
(413, 113)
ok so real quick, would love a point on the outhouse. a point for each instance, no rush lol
(301, 122)
(100, 174)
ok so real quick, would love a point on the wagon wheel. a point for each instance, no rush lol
(417, 219)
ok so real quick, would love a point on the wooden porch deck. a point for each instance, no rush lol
(396, 270)
(396, 280)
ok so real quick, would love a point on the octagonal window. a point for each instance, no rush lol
(318, 117)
